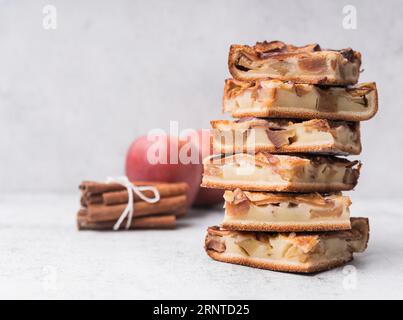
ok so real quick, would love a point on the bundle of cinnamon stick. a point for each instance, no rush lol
(102, 204)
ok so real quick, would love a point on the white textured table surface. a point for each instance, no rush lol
(42, 255)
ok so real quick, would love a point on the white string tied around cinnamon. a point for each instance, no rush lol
(132, 189)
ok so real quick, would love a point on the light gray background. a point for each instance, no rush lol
(72, 99)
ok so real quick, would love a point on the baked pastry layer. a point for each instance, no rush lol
(278, 99)
(306, 64)
(284, 136)
(267, 172)
(288, 252)
(265, 211)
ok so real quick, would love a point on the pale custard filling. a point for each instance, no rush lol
(289, 68)
(300, 136)
(304, 137)
(245, 171)
(289, 100)
(280, 249)
(283, 213)
(286, 98)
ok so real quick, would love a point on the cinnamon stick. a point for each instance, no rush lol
(165, 191)
(173, 205)
(157, 222)
(88, 198)
(101, 187)
(112, 193)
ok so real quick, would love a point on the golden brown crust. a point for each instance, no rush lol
(286, 226)
(317, 199)
(267, 158)
(332, 149)
(279, 51)
(290, 187)
(359, 229)
(282, 267)
(303, 115)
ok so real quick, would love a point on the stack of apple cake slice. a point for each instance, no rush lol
(296, 110)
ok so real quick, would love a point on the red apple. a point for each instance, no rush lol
(205, 196)
(165, 159)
